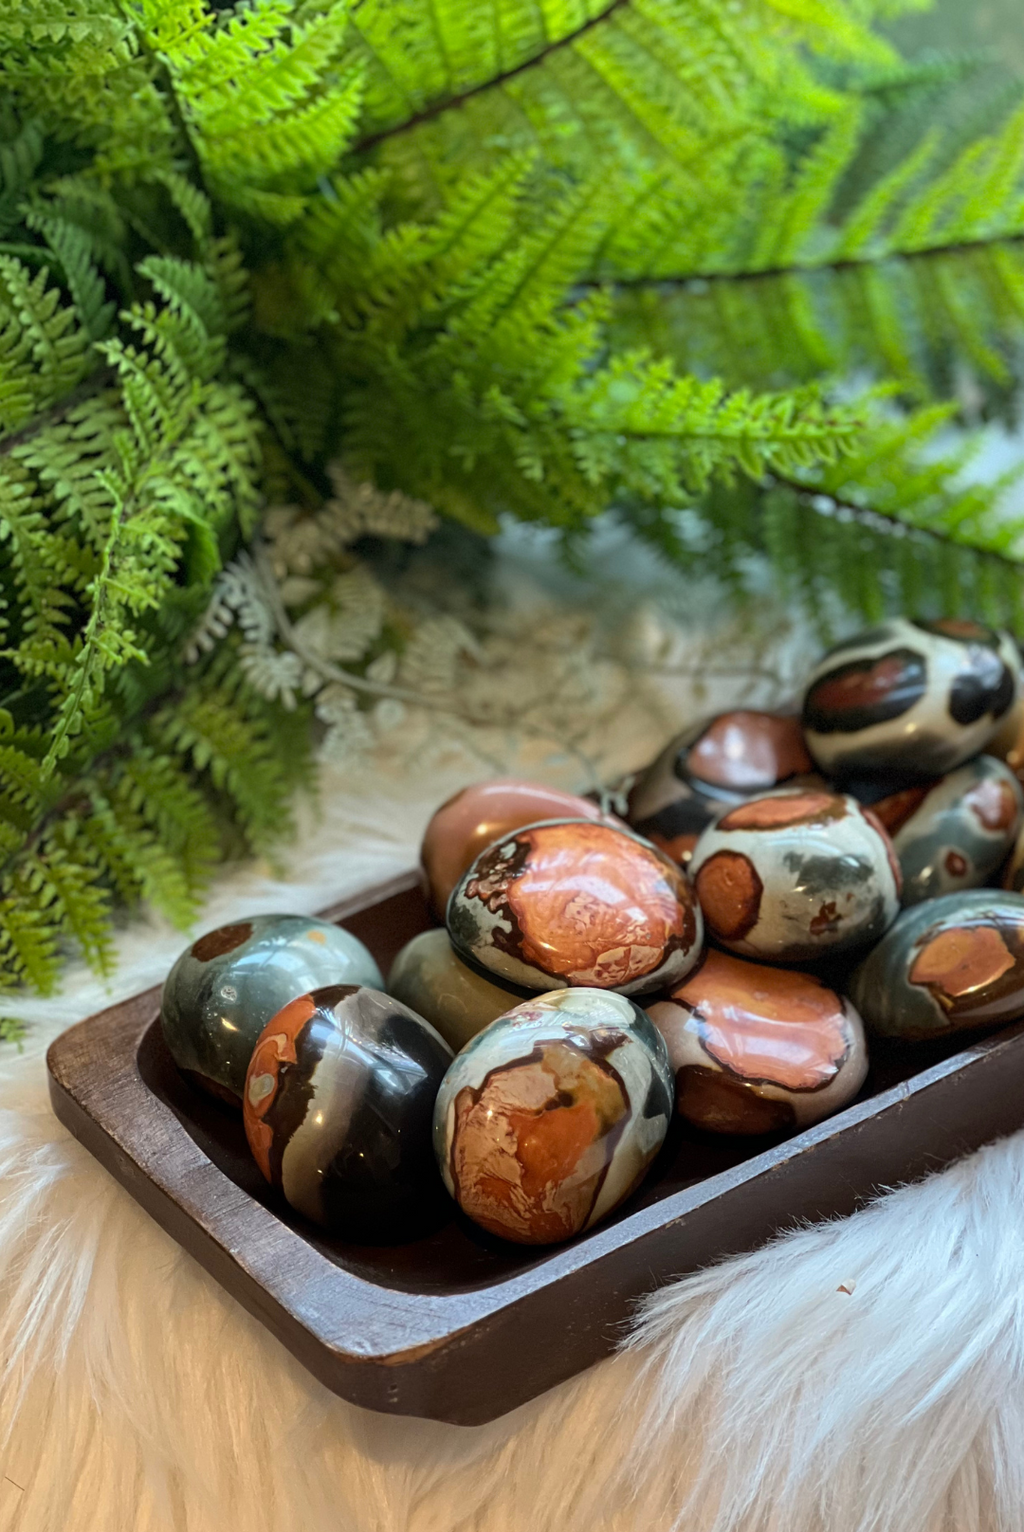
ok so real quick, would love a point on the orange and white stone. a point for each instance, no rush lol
(947, 965)
(573, 903)
(756, 1049)
(796, 875)
(550, 1117)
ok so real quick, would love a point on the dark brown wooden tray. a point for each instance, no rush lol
(458, 1326)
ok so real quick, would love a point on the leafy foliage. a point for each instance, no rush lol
(366, 261)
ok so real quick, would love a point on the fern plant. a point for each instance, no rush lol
(264, 264)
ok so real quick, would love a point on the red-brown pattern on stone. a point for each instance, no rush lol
(992, 804)
(729, 890)
(531, 1145)
(956, 865)
(717, 1104)
(274, 1046)
(827, 919)
(745, 749)
(861, 688)
(894, 811)
(961, 961)
(678, 847)
(961, 627)
(225, 939)
(764, 1024)
(788, 809)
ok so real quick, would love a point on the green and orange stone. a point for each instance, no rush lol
(226, 986)
(947, 965)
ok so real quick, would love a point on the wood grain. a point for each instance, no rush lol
(458, 1326)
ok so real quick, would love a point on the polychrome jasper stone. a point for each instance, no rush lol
(953, 833)
(551, 1116)
(757, 1049)
(946, 965)
(480, 814)
(338, 1106)
(721, 760)
(569, 902)
(914, 698)
(223, 990)
(795, 875)
(428, 978)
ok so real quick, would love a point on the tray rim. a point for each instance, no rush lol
(345, 1327)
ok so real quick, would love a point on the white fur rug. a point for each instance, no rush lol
(866, 1376)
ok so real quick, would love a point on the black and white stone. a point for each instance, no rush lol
(909, 698)
(338, 1107)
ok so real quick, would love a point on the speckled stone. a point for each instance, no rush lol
(428, 977)
(757, 1049)
(946, 965)
(478, 815)
(956, 832)
(550, 1117)
(906, 697)
(569, 902)
(225, 987)
(338, 1108)
(796, 875)
(719, 761)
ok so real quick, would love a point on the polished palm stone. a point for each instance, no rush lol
(570, 902)
(757, 1049)
(223, 990)
(338, 1107)
(909, 697)
(953, 833)
(946, 965)
(795, 875)
(721, 760)
(552, 1114)
(481, 814)
(428, 977)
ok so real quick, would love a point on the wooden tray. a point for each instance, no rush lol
(459, 1326)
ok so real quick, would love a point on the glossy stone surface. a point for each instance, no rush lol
(478, 815)
(946, 965)
(225, 987)
(550, 1117)
(428, 977)
(721, 760)
(568, 902)
(953, 833)
(757, 1049)
(795, 875)
(909, 697)
(338, 1107)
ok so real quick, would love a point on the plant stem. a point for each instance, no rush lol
(802, 269)
(882, 521)
(435, 108)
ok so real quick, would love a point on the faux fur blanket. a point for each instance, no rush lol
(865, 1376)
